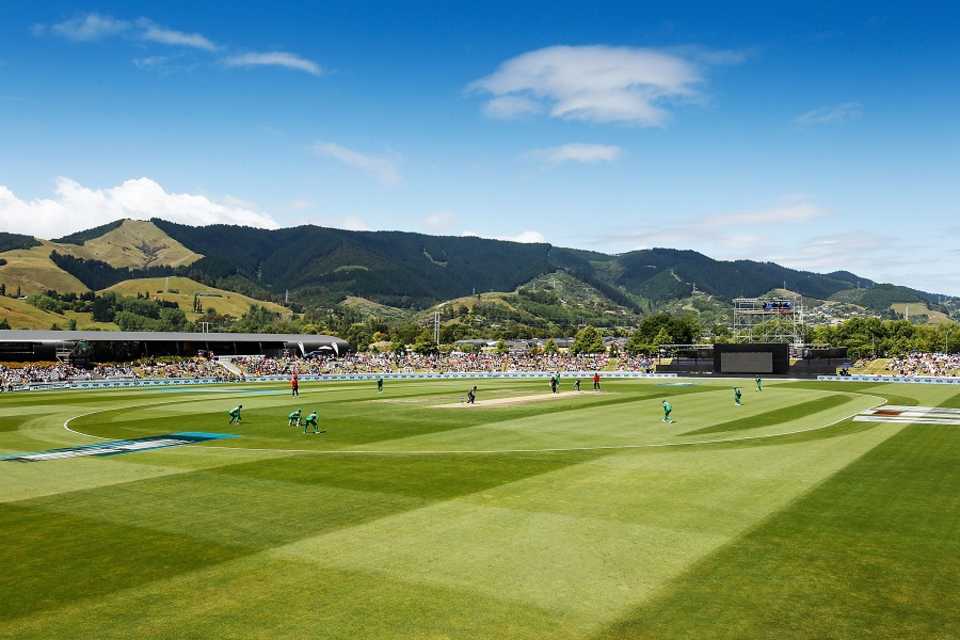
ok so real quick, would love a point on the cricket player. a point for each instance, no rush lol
(295, 384)
(312, 421)
(576, 385)
(667, 410)
(380, 384)
(293, 420)
(472, 395)
(759, 382)
(737, 395)
(235, 414)
(596, 381)
(554, 384)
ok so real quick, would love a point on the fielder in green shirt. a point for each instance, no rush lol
(737, 394)
(312, 421)
(667, 410)
(759, 383)
(293, 420)
(235, 414)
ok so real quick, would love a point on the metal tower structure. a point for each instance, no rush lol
(768, 320)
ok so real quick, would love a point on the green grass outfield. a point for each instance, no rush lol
(582, 516)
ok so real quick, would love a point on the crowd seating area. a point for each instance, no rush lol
(12, 375)
(441, 363)
(16, 375)
(926, 364)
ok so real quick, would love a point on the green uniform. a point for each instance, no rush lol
(311, 421)
(294, 418)
(759, 384)
(379, 384)
(235, 414)
(736, 395)
(667, 410)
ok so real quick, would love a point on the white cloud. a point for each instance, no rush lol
(526, 237)
(577, 152)
(299, 204)
(86, 28)
(151, 62)
(354, 223)
(790, 210)
(440, 221)
(831, 115)
(382, 168)
(595, 83)
(274, 59)
(155, 33)
(509, 107)
(95, 26)
(75, 207)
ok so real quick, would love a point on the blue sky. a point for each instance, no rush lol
(817, 136)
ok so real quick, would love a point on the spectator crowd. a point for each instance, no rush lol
(455, 362)
(926, 364)
(12, 375)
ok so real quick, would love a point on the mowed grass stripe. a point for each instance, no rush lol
(952, 402)
(52, 559)
(776, 416)
(873, 552)
(348, 424)
(86, 544)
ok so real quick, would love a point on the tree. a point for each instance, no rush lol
(636, 344)
(588, 340)
(501, 347)
(663, 337)
(103, 307)
(72, 324)
(424, 344)
(550, 347)
(4, 324)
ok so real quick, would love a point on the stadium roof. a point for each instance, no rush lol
(164, 336)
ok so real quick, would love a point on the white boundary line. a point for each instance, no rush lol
(428, 452)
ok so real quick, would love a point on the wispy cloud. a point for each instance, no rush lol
(74, 207)
(383, 168)
(597, 83)
(353, 223)
(155, 33)
(791, 209)
(577, 152)
(830, 115)
(527, 237)
(85, 28)
(96, 26)
(274, 59)
(439, 221)
(510, 107)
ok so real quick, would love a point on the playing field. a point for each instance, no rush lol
(525, 516)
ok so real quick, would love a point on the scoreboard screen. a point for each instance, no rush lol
(783, 306)
(751, 358)
(746, 362)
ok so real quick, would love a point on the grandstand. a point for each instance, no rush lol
(128, 345)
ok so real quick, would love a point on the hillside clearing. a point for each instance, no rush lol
(182, 290)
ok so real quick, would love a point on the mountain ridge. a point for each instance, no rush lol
(325, 266)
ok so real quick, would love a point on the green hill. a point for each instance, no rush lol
(391, 273)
